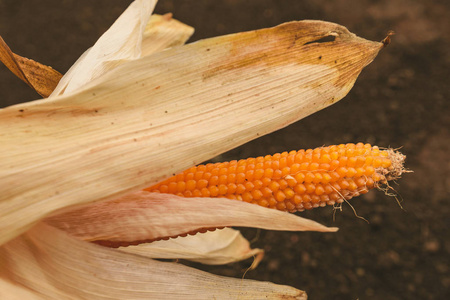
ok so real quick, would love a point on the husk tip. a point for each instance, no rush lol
(387, 40)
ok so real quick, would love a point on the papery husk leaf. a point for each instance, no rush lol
(218, 247)
(53, 265)
(158, 115)
(122, 42)
(144, 216)
(164, 32)
(43, 79)
(13, 291)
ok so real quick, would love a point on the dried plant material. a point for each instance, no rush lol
(43, 79)
(127, 39)
(164, 32)
(143, 217)
(122, 42)
(12, 291)
(45, 261)
(218, 247)
(125, 130)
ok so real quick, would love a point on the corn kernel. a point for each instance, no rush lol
(289, 193)
(274, 186)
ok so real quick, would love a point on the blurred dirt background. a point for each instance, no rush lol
(400, 100)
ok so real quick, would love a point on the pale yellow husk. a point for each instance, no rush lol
(121, 43)
(56, 266)
(218, 247)
(164, 32)
(144, 216)
(132, 36)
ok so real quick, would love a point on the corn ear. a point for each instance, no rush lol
(291, 181)
(122, 132)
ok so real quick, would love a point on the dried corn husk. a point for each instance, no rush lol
(218, 247)
(121, 43)
(43, 79)
(143, 216)
(164, 32)
(56, 266)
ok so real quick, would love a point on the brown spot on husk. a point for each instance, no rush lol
(299, 43)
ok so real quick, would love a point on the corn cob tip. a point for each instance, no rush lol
(397, 165)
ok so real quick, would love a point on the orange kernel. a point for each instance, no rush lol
(283, 161)
(326, 178)
(202, 183)
(249, 186)
(300, 188)
(214, 180)
(247, 197)
(342, 171)
(266, 192)
(317, 178)
(231, 188)
(274, 186)
(223, 189)
(295, 168)
(289, 193)
(266, 181)
(268, 173)
(300, 177)
(325, 158)
(313, 166)
(277, 174)
(240, 178)
(214, 191)
(231, 178)
(290, 181)
(205, 192)
(280, 196)
(190, 185)
(310, 188)
(259, 173)
(240, 188)
(280, 206)
(285, 171)
(319, 190)
(257, 184)
(257, 194)
(351, 172)
(283, 184)
(309, 177)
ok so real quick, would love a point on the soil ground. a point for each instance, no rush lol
(400, 100)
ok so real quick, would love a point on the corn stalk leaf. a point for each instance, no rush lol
(49, 264)
(158, 115)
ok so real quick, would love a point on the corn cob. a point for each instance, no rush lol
(291, 181)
